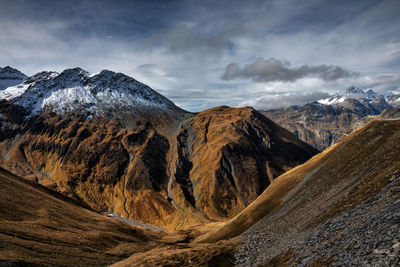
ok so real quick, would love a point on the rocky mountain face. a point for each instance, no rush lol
(111, 142)
(10, 77)
(340, 208)
(393, 113)
(394, 100)
(327, 121)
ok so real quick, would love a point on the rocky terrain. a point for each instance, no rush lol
(367, 235)
(111, 142)
(327, 121)
(394, 100)
(339, 208)
(393, 113)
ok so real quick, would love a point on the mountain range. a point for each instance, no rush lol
(341, 207)
(122, 148)
(327, 121)
(100, 169)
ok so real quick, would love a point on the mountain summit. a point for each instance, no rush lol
(73, 90)
(350, 93)
(10, 77)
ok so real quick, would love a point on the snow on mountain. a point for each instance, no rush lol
(10, 77)
(350, 93)
(394, 100)
(102, 93)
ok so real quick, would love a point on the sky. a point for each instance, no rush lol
(201, 54)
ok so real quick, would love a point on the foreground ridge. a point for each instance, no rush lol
(340, 207)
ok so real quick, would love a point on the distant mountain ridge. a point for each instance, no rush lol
(326, 121)
(352, 93)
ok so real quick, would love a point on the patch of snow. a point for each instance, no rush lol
(331, 101)
(94, 74)
(13, 91)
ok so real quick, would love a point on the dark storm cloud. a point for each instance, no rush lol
(268, 70)
(198, 26)
(122, 19)
(178, 44)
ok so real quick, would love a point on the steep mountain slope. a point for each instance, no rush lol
(42, 227)
(10, 77)
(340, 207)
(234, 155)
(327, 121)
(122, 148)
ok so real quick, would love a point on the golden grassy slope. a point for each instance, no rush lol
(40, 226)
(335, 180)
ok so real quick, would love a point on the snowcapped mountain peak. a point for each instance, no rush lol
(351, 93)
(10, 77)
(76, 90)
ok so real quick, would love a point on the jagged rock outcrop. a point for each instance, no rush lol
(122, 148)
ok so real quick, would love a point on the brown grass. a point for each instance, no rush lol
(216, 254)
(39, 226)
(360, 164)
